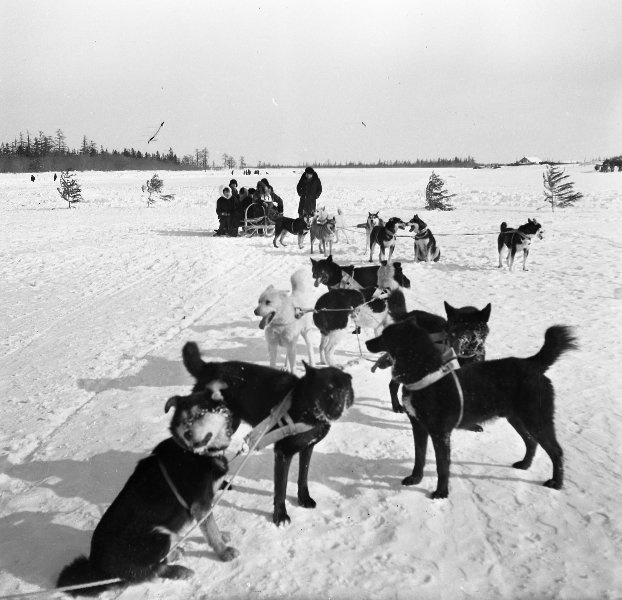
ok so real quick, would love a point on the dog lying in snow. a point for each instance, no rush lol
(169, 489)
(515, 240)
(282, 322)
(253, 391)
(436, 403)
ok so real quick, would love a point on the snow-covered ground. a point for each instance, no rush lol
(97, 303)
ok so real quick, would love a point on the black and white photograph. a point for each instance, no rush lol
(311, 300)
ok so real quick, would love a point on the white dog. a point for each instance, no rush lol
(283, 323)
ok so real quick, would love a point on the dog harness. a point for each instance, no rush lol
(279, 416)
(448, 367)
(172, 486)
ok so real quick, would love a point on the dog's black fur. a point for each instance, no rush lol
(384, 236)
(253, 391)
(284, 225)
(514, 388)
(331, 274)
(137, 530)
(425, 246)
(333, 309)
(465, 330)
(517, 239)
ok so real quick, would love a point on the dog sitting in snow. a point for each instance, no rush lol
(440, 397)
(385, 237)
(282, 322)
(515, 240)
(254, 391)
(169, 489)
(426, 249)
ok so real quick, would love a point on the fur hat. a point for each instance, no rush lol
(233, 181)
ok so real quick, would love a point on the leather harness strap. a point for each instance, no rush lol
(172, 486)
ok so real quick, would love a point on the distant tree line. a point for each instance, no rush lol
(43, 152)
(468, 162)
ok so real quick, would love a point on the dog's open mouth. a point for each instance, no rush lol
(265, 321)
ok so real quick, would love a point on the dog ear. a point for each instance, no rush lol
(314, 262)
(192, 359)
(330, 258)
(449, 309)
(485, 312)
(171, 403)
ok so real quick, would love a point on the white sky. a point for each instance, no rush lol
(292, 81)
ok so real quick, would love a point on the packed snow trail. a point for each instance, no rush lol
(100, 300)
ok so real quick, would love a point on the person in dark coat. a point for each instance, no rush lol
(233, 185)
(276, 199)
(309, 189)
(224, 208)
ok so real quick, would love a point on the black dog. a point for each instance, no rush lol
(284, 225)
(253, 391)
(514, 388)
(334, 276)
(464, 331)
(426, 249)
(168, 489)
(385, 236)
(515, 240)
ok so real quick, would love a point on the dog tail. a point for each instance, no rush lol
(557, 340)
(396, 305)
(504, 227)
(299, 280)
(81, 572)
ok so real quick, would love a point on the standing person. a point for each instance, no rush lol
(233, 185)
(224, 208)
(309, 189)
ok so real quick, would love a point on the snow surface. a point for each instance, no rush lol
(98, 301)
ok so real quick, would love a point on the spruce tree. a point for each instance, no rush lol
(69, 189)
(436, 195)
(153, 187)
(557, 191)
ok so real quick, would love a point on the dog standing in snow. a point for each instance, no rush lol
(282, 322)
(515, 240)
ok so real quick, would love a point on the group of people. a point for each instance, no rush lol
(262, 201)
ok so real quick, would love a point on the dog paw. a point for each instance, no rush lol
(228, 554)
(397, 407)
(522, 464)
(175, 572)
(412, 480)
(553, 484)
(280, 517)
(439, 494)
(307, 502)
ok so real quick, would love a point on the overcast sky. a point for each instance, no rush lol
(295, 81)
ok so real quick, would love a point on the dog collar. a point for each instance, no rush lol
(421, 233)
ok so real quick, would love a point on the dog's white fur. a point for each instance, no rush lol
(284, 328)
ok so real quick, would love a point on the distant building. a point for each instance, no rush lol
(529, 160)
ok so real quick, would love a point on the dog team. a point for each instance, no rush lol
(438, 361)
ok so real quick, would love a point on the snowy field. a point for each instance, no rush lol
(98, 301)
